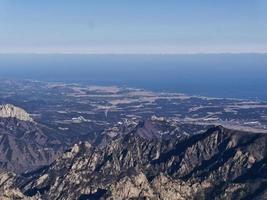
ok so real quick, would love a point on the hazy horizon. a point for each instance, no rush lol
(217, 75)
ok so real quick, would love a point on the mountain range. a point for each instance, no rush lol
(152, 159)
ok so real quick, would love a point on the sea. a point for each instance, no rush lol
(242, 76)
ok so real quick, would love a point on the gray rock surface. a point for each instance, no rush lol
(11, 111)
(218, 164)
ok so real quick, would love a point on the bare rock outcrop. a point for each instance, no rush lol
(11, 111)
(218, 164)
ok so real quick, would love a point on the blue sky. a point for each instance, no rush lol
(139, 26)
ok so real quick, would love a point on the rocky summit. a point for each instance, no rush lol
(217, 164)
(11, 111)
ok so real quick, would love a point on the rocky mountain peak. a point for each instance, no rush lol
(218, 164)
(11, 111)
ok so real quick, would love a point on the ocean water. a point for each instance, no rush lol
(222, 75)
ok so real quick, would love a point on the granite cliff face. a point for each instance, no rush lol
(11, 111)
(218, 164)
(7, 189)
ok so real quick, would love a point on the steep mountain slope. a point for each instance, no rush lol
(24, 144)
(27, 145)
(218, 164)
(153, 128)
